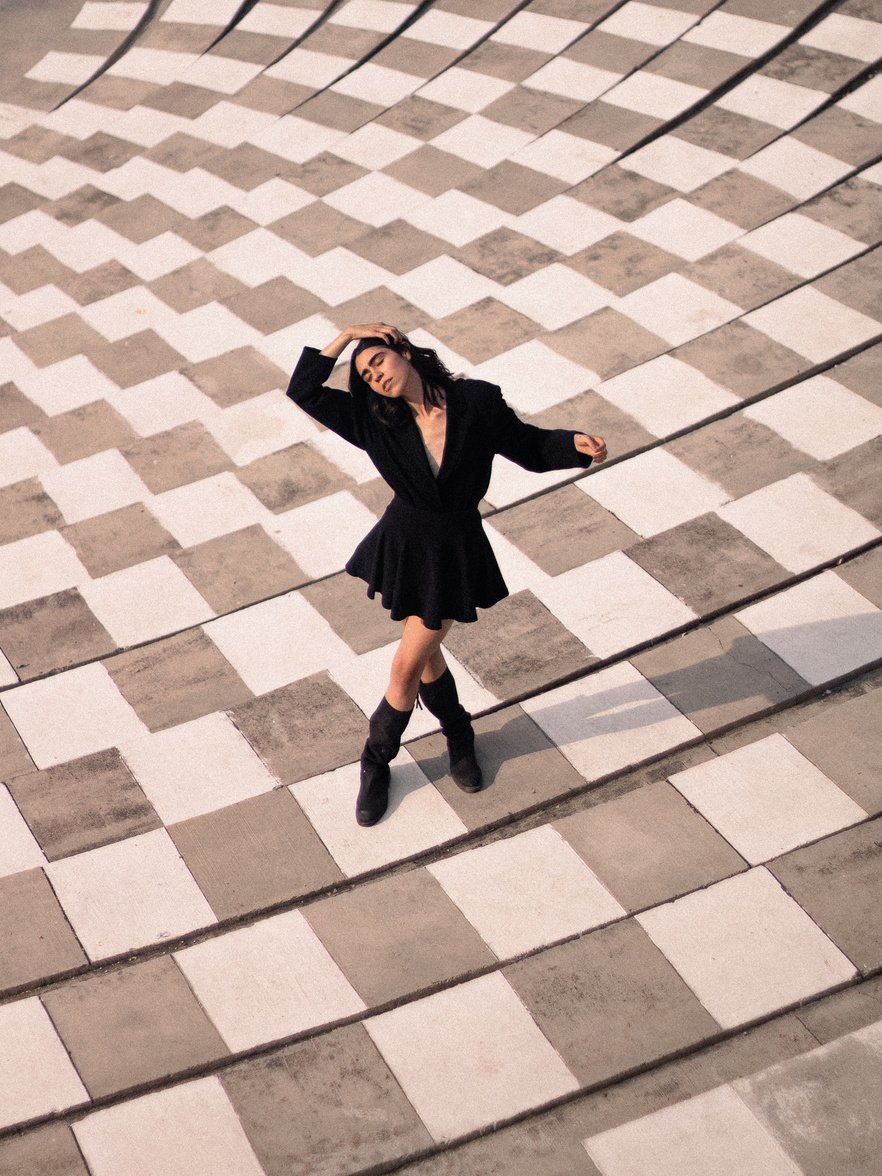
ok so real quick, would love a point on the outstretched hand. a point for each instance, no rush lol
(594, 446)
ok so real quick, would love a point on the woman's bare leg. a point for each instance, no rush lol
(418, 653)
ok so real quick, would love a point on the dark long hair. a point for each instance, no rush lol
(428, 365)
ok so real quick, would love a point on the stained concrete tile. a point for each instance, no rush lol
(852, 207)
(292, 476)
(359, 621)
(253, 854)
(521, 767)
(707, 563)
(84, 431)
(727, 131)
(38, 940)
(17, 411)
(608, 340)
(513, 188)
(397, 936)
(610, 1002)
(861, 373)
(194, 285)
(303, 729)
(518, 648)
(863, 574)
(841, 134)
(853, 479)
(235, 376)
(717, 451)
(52, 1151)
(26, 509)
(719, 674)
(484, 330)
(837, 882)
(742, 198)
(52, 633)
(83, 804)
(844, 1012)
(324, 1106)
(177, 678)
(649, 845)
(171, 458)
(137, 359)
(622, 262)
(133, 1025)
(239, 568)
(742, 359)
(14, 757)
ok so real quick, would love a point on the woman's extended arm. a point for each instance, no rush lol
(540, 450)
(365, 331)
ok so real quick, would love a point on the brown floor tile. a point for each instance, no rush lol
(252, 855)
(727, 132)
(837, 882)
(846, 136)
(177, 97)
(696, 65)
(317, 228)
(397, 936)
(26, 509)
(857, 284)
(853, 478)
(303, 729)
(31, 269)
(361, 622)
(182, 152)
(274, 304)
(613, 126)
(338, 111)
(609, 1002)
(415, 57)
(513, 188)
(37, 939)
(708, 563)
(37, 144)
(119, 539)
(742, 359)
(100, 282)
(15, 200)
(512, 63)
(381, 304)
(322, 174)
(79, 206)
(844, 1012)
(196, 285)
(133, 1025)
(816, 69)
(741, 276)
(742, 199)
(141, 219)
(101, 152)
(292, 477)
(399, 247)
(609, 52)
(844, 740)
(589, 410)
(623, 194)
(433, 171)
(323, 1107)
(272, 95)
(853, 208)
(606, 342)
(530, 110)
(215, 228)
(121, 93)
(51, 1151)
(84, 803)
(563, 529)
(180, 455)
(519, 647)
(865, 575)
(57, 340)
(84, 431)
(716, 451)
(420, 118)
(484, 329)
(52, 633)
(504, 256)
(521, 767)
(176, 679)
(14, 757)
(649, 846)
(719, 674)
(16, 410)
(239, 568)
(136, 359)
(623, 263)
(863, 373)
(236, 376)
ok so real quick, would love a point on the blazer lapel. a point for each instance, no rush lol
(455, 434)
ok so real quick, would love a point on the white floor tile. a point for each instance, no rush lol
(186, 1130)
(376, 83)
(126, 313)
(526, 891)
(681, 165)
(666, 395)
(296, 139)
(202, 12)
(470, 1056)
(482, 141)
(684, 229)
(820, 417)
(654, 95)
(449, 29)
(37, 566)
(206, 332)
(375, 199)
(533, 377)
(418, 817)
(114, 14)
(464, 89)
(865, 101)
(221, 74)
(572, 79)
(259, 426)
(267, 981)
(457, 217)
(510, 483)
(129, 894)
(257, 257)
(71, 714)
(22, 455)
(745, 948)
(611, 604)
(305, 67)
(653, 492)
(649, 23)
(797, 523)
(442, 286)
(163, 403)
(70, 68)
(736, 34)
(146, 601)
(801, 244)
(227, 124)
(338, 275)
(206, 509)
(375, 146)
(772, 100)
(766, 798)
(555, 296)
(812, 324)
(676, 309)
(678, 1141)
(94, 485)
(609, 720)
(566, 224)
(277, 641)
(68, 384)
(322, 535)
(822, 627)
(566, 157)
(19, 849)
(846, 35)
(274, 20)
(23, 311)
(36, 1075)
(539, 31)
(197, 767)
(380, 16)
(796, 168)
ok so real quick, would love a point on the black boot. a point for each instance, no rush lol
(384, 739)
(440, 697)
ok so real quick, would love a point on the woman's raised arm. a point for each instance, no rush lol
(365, 331)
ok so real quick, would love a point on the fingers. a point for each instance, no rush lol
(376, 331)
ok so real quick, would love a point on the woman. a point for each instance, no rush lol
(432, 437)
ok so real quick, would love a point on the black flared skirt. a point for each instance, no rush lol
(436, 565)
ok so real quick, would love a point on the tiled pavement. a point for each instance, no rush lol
(660, 221)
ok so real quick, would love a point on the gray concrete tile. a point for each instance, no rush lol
(37, 939)
(742, 359)
(51, 1151)
(239, 568)
(176, 456)
(361, 622)
(26, 509)
(853, 478)
(718, 451)
(236, 376)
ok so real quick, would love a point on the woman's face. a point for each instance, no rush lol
(388, 373)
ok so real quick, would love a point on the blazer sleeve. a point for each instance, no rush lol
(336, 410)
(537, 450)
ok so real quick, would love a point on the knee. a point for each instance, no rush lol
(405, 674)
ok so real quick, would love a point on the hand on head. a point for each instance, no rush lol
(375, 331)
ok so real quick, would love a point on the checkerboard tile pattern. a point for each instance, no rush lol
(507, 184)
